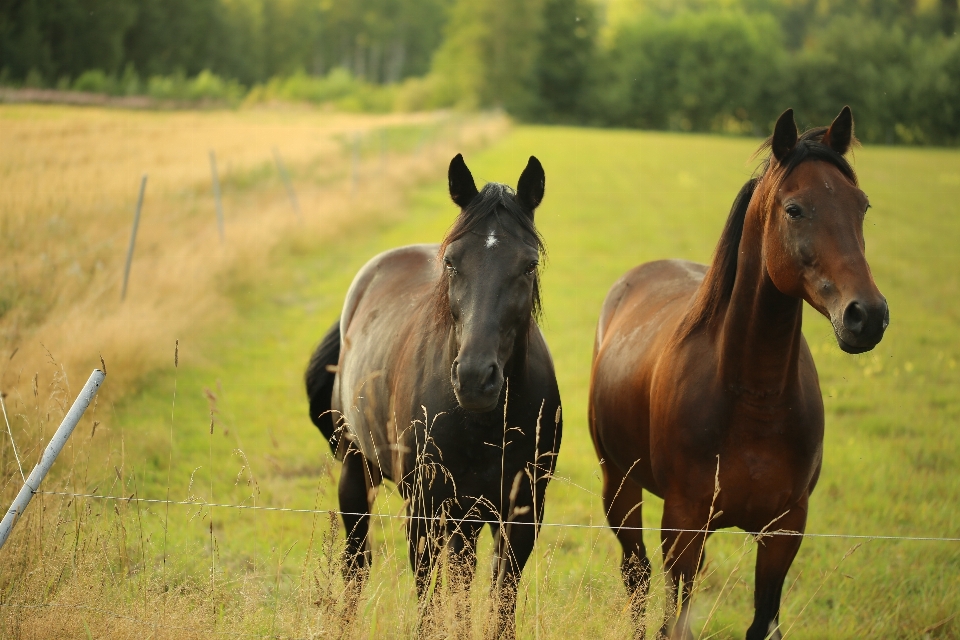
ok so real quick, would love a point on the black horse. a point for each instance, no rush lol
(438, 378)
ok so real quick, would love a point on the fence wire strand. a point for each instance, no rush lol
(760, 534)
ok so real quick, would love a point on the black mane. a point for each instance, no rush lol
(494, 200)
(722, 272)
(809, 147)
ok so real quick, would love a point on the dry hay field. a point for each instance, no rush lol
(150, 540)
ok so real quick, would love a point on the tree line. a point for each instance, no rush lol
(691, 65)
(250, 41)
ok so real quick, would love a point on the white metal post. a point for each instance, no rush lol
(32, 484)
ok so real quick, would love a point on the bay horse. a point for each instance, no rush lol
(437, 377)
(703, 390)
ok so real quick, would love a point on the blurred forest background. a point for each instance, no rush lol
(728, 66)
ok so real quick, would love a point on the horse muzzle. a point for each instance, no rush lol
(861, 325)
(477, 385)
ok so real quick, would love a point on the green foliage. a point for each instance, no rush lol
(488, 55)
(339, 87)
(727, 66)
(733, 71)
(205, 86)
(381, 41)
(696, 71)
(95, 81)
(567, 52)
(51, 38)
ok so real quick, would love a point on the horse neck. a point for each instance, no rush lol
(760, 331)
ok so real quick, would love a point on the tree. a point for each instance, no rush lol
(566, 53)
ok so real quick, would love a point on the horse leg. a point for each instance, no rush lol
(775, 554)
(424, 543)
(623, 501)
(513, 544)
(683, 536)
(461, 568)
(357, 479)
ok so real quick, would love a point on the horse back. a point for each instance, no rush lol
(639, 317)
(386, 303)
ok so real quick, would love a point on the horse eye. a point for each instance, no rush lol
(793, 210)
(531, 268)
(449, 265)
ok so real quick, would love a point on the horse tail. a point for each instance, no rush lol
(319, 379)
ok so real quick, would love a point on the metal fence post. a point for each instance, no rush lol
(32, 483)
(383, 152)
(133, 238)
(282, 168)
(355, 164)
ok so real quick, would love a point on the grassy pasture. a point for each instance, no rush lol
(614, 199)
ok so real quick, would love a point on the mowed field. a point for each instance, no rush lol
(228, 425)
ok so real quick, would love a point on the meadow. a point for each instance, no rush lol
(221, 417)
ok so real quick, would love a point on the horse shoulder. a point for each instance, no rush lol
(639, 319)
(383, 305)
(648, 285)
(411, 260)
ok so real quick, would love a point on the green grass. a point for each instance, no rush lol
(614, 199)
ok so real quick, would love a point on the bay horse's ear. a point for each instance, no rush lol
(462, 188)
(840, 133)
(784, 135)
(531, 185)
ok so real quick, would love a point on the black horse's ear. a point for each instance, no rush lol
(462, 188)
(784, 135)
(840, 134)
(531, 185)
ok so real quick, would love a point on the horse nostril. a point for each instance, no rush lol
(855, 318)
(491, 377)
(886, 315)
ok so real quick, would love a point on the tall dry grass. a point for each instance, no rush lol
(86, 567)
(68, 185)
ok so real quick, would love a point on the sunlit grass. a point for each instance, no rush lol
(614, 199)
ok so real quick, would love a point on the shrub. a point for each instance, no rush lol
(94, 81)
(205, 86)
(713, 71)
(338, 87)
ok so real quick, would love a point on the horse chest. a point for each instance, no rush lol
(767, 453)
(471, 455)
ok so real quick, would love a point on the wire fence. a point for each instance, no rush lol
(758, 534)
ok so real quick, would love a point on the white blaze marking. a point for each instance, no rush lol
(491, 240)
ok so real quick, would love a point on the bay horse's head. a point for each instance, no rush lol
(813, 230)
(488, 292)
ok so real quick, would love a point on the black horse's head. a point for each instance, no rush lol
(489, 291)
